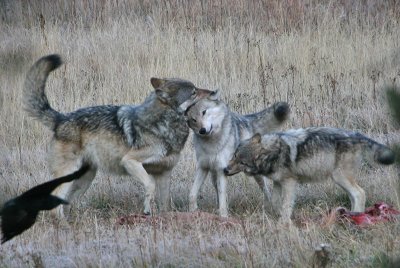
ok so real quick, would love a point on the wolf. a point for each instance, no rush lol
(217, 133)
(20, 213)
(143, 141)
(306, 155)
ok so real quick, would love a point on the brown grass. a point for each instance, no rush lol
(329, 59)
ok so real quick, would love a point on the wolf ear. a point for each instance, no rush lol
(214, 95)
(157, 82)
(256, 138)
(162, 95)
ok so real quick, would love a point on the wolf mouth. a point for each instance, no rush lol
(211, 129)
(228, 172)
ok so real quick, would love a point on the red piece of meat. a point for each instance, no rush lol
(380, 212)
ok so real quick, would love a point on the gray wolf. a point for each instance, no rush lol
(217, 133)
(19, 214)
(143, 141)
(308, 155)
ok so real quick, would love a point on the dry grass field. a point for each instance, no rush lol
(330, 60)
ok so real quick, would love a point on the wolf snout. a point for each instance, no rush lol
(203, 131)
(226, 171)
(229, 172)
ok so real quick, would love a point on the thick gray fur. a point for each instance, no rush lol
(308, 155)
(218, 132)
(143, 140)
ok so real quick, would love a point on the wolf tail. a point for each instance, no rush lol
(270, 118)
(34, 98)
(381, 153)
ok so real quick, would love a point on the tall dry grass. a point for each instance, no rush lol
(329, 59)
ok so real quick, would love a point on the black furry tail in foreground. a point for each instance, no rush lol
(19, 214)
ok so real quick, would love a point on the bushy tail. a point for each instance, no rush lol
(381, 153)
(270, 118)
(34, 98)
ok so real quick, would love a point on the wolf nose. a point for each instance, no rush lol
(226, 171)
(202, 131)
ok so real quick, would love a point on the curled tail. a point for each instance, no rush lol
(34, 98)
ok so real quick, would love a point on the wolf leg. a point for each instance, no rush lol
(288, 197)
(201, 175)
(276, 206)
(214, 180)
(219, 180)
(78, 187)
(71, 191)
(347, 182)
(163, 183)
(136, 169)
(262, 183)
(64, 159)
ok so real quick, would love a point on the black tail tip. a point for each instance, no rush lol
(54, 60)
(387, 157)
(281, 111)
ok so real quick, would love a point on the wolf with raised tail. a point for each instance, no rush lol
(217, 133)
(143, 141)
(312, 154)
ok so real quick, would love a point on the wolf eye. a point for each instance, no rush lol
(194, 120)
(204, 112)
(243, 163)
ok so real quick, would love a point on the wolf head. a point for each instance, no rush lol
(205, 116)
(257, 155)
(178, 92)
